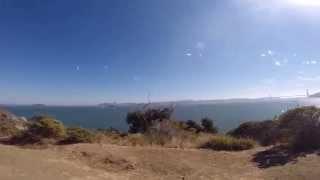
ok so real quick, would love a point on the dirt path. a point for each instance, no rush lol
(160, 163)
(95, 162)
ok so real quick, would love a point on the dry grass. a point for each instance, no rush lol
(101, 162)
(151, 162)
(182, 139)
(228, 143)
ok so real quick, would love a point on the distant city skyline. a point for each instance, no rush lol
(90, 52)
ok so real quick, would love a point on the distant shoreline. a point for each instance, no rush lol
(164, 103)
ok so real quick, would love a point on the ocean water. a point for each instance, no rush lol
(226, 115)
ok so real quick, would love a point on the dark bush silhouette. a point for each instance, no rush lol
(142, 121)
(78, 135)
(208, 126)
(308, 137)
(265, 132)
(193, 126)
(137, 122)
(24, 138)
(301, 126)
(295, 118)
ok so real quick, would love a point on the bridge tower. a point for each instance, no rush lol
(307, 93)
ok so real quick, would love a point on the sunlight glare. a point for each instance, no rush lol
(304, 3)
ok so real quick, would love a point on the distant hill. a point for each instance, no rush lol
(190, 102)
(38, 105)
(316, 95)
(108, 105)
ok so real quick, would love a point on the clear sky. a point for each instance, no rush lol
(93, 51)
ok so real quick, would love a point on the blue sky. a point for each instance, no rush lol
(87, 52)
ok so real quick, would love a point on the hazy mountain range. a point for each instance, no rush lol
(192, 102)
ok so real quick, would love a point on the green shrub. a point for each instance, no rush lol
(46, 127)
(8, 128)
(78, 135)
(40, 128)
(142, 121)
(227, 143)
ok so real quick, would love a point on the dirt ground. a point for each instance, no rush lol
(110, 162)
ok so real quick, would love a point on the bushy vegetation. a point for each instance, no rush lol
(227, 143)
(157, 127)
(10, 126)
(8, 129)
(142, 121)
(154, 125)
(265, 132)
(47, 130)
(47, 127)
(78, 135)
(193, 126)
(40, 129)
(301, 126)
(208, 126)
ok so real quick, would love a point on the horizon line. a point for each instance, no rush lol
(172, 101)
